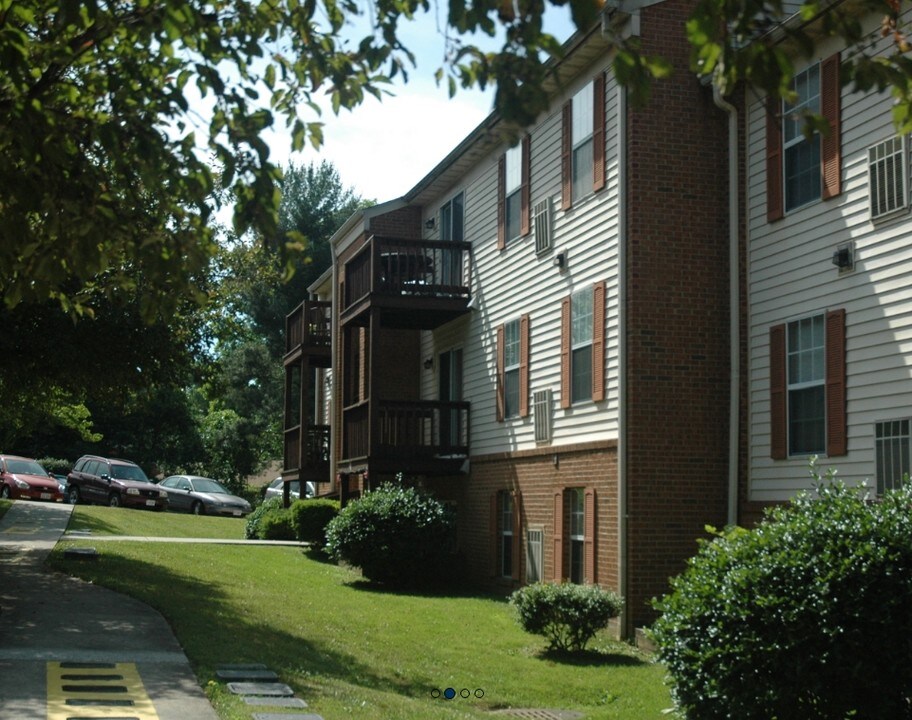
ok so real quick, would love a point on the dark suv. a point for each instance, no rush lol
(113, 482)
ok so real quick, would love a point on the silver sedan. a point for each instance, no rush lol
(202, 496)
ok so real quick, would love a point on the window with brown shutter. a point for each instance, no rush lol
(524, 323)
(589, 536)
(525, 203)
(599, 177)
(566, 161)
(514, 192)
(499, 362)
(558, 536)
(807, 386)
(598, 342)
(566, 397)
(802, 169)
(501, 202)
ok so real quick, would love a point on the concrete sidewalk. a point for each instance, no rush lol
(47, 618)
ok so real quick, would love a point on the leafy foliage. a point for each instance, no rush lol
(310, 518)
(277, 525)
(568, 615)
(252, 528)
(396, 535)
(806, 616)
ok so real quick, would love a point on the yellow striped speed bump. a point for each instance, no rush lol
(97, 691)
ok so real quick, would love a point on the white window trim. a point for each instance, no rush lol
(787, 112)
(803, 385)
(903, 154)
(512, 367)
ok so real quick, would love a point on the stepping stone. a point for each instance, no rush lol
(87, 553)
(256, 675)
(242, 666)
(286, 716)
(285, 702)
(257, 688)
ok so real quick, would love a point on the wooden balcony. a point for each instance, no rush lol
(418, 284)
(308, 331)
(413, 437)
(307, 453)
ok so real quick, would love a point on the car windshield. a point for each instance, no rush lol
(128, 472)
(208, 486)
(24, 467)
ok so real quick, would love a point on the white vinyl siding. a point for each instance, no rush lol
(791, 276)
(509, 284)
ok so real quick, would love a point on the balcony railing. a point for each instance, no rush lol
(309, 326)
(404, 431)
(396, 268)
(313, 452)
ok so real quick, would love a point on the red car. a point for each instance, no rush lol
(24, 478)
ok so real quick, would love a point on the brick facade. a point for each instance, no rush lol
(677, 322)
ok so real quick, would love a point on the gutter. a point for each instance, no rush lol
(734, 306)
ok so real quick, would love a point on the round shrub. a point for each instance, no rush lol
(805, 617)
(396, 535)
(277, 525)
(568, 615)
(251, 530)
(310, 518)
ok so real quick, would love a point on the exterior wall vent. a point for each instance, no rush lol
(541, 219)
(541, 410)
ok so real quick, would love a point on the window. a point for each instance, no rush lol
(505, 534)
(801, 154)
(806, 400)
(452, 219)
(887, 176)
(513, 369)
(800, 170)
(891, 454)
(808, 386)
(577, 535)
(583, 143)
(581, 346)
(513, 193)
(534, 542)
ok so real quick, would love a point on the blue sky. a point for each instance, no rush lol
(382, 149)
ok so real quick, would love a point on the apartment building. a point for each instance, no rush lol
(539, 333)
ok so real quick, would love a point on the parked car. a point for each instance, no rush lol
(22, 477)
(274, 489)
(202, 496)
(114, 482)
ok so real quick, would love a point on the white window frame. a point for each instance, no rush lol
(895, 459)
(577, 535)
(512, 361)
(582, 134)
(505, 532)
(581, 338)
(888, 170)
(805, 370)
(535, 542)
(513, 193)
(807, 84)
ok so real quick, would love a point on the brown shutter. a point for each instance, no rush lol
(517, 534)
(598, 341)
(566, 399)
(493, 535)
(524, 366)
(831, 143)
(836, 383)
(778, 389)
(598, 132)
(525, 197)
(499, 352)
(774, 206)
(558, 536)
(589, 538)
(501, 202)
(566, 157)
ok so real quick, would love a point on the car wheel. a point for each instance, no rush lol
(73, 497)
(114, 500)
(197, 508)
(5, 492)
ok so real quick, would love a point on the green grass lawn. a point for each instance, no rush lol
(351, 650)
(102, 520)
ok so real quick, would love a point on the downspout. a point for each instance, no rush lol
(333, 349)
(734, 302)
(622, 358)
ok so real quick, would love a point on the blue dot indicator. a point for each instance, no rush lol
(449, 693)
